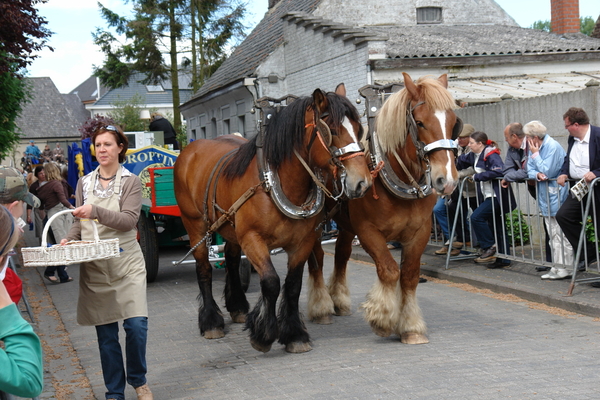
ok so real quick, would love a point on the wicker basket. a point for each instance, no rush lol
(73, 252)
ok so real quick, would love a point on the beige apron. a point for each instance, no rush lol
(114, 289)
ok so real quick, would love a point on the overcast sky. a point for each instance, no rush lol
(73, 21)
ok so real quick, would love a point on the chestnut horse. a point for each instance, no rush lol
(226, 178)
(395, 211)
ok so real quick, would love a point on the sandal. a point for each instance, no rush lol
(68, 280)
(51, 278)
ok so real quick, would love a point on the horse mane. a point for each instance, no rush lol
(390, 123)
(286, 131)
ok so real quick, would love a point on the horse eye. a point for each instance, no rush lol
(420, 124)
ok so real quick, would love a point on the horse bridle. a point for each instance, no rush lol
(323, 133)
(422, 149)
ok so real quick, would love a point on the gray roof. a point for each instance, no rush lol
(149, 97)
(444, 41)
(259, 44)
(50, 114)
(87, 91)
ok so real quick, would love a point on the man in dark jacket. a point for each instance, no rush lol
(160, 123)
(581, 162)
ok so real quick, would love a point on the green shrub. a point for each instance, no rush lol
(517, 228)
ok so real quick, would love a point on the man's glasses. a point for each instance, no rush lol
(570, 125)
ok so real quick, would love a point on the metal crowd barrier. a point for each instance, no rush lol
(526, 232)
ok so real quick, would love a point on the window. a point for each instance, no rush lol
(155, 88)
(429, 15)
(242, 125)
(226, 130)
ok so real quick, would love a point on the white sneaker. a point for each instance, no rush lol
(561, 273)
(551, 274)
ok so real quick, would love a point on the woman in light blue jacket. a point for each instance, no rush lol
(545, 160)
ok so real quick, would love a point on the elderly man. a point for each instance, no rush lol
(544, 164)
(581, 162)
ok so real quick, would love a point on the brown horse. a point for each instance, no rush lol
(395, 211)
(269, 176)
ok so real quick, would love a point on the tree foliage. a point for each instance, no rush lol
(94, 123)
(15, 93)
(586, 24)
(126, 113)
(158, 35)
(215, 26)
(22, 32)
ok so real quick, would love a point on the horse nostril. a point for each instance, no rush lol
(440, 183)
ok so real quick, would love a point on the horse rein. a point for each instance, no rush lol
(323, 133)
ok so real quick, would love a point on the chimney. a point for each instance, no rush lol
(565, 16)
(272, 3)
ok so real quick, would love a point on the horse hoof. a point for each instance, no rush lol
(323, 320)
(260, 347)
(381, 331)
(238, 317)
(298, 347)
(214, 334)
(413, 338)
(342, 312)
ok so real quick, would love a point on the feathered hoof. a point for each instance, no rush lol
(214, 334)
(298, 347)
(379, 331)
(265, 348)
(413, 338)
(238, 317)
(323, 320)
(343, 312)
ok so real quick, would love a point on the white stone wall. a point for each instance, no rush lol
(314, 59)
(403, 12)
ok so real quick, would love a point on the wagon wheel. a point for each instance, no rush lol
(149, 244)
(245, 272)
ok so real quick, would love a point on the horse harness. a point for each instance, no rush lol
(375, 96)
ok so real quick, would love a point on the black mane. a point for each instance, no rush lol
(286, 132)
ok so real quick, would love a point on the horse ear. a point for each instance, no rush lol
(410, 86)
(320, 100)
(341, 89)
(444, 80)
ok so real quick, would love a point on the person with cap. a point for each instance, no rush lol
(33, 152)
(13, 193)
(445, 213)
(21, 361)
(160, 123)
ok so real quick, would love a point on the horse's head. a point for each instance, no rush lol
(424, 114)
(334, 134)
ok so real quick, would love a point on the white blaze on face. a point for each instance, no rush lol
(346, 124)
(441, 116)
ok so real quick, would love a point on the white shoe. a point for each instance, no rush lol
(561, 273)
(551, 274)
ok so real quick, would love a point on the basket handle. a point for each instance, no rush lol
(52, 218)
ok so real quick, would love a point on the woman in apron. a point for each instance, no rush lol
(115, 289)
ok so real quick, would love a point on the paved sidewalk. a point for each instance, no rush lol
(482, 347)
(520, 279)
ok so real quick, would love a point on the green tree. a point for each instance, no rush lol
(126, 113)
(215, 25)
(586, 24)
(542, 26)
(164, 27)
(155, 29)
(15, 93)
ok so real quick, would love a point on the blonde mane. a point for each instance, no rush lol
(390, 123)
